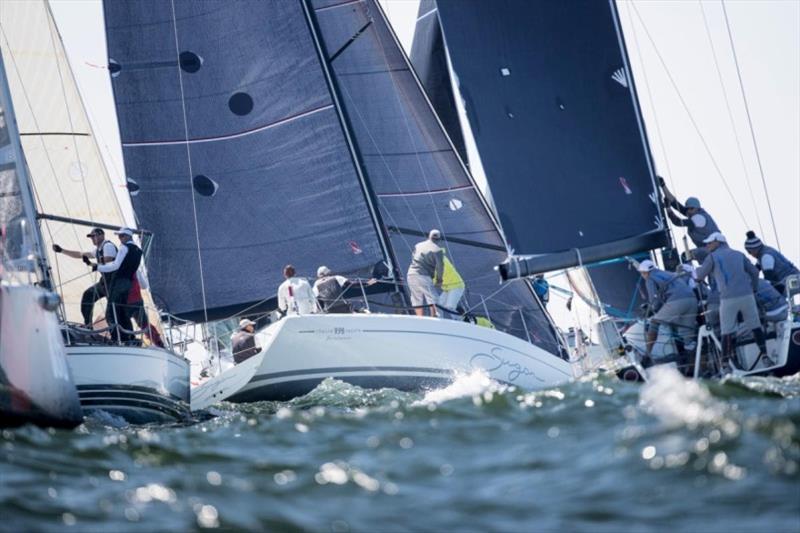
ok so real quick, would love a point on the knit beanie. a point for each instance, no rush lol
(752, 242)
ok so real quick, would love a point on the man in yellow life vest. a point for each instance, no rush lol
(452, 288)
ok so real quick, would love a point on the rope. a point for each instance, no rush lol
(189, 160)
(689, 113)
(750, 123)
(730, 115)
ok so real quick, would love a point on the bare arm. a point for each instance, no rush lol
(75, 254)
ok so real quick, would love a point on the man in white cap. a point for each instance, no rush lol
(243, 342)
(295, 296)
(104, 252)
(737, 281)
(773, 264)
(425, 273)
(674, 305)
(124, 267)
(698, 223)
(329, 290)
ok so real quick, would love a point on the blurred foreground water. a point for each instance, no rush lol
(596, 455)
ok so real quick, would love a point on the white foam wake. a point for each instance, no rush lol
(475, 384)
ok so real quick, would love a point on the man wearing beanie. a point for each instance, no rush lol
(737, 281)
(771, 262)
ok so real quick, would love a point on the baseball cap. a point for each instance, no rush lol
(716, 236)
(692, 202)
(646, 266)
(125, 231)
(435, 234)
(243, 323)
(323, 271)
(95, 231)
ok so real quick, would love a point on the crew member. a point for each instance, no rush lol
(698, 223)
(243, 342)
(771, 303)
(124, 267)
(452, 287)
(542, 289)
(674, 305)
(295, 296)
(329, 290)
(737, 280)
(104, 252)
(425, 273)
(771, 262)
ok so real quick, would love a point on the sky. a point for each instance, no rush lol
(693, 109)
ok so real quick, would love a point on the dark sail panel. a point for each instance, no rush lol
(429, 57)
(552, 107)
(234, 153)
(413, 169)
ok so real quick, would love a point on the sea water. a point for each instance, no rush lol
(595, 455)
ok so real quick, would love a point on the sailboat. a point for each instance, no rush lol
(550, 102)
(256, 134)
(72, 194)
(35, 382)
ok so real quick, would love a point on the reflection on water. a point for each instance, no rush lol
(596, 455)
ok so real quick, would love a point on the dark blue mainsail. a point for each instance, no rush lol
(234, 152)
(415, 172)
(553, 110)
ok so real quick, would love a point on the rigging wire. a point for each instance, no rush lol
(730, 115)
(189, 161)
(689, 113)
(750, 123)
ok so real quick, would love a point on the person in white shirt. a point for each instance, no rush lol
(105, 252)
(295, 296)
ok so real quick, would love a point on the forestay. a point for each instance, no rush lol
(67, 171)
(234, 153)
(552, 107)
(413, 169)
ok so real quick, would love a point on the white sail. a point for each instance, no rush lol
(66, 168)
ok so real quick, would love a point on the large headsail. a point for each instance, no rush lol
(553, 110)
(66, 169)
(234, 152)
(414, 171)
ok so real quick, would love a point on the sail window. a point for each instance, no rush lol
(133, 187)
(455, 204)
(240, 104)
(114, 68)
(204, 185)
(505, 72)
(190, 62)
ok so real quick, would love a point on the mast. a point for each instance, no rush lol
(355, 153)
(21, 171)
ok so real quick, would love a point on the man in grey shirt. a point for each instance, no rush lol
(243, 342)
(424, 276)
(737, 281)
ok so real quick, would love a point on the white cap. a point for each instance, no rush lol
(125, 231)
(646, 266)
(716, 236)
(323, 271)
(435, 234)
(243, 323)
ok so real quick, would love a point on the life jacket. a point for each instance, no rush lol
(484, 322)
(330, 291)
(129, 266)
(783, 267)
(698, 235)
(98, 256)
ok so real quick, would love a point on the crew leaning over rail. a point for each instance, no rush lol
(737, 280)
(329, 290)
(674, 304)
(105, 251)
(773, 264)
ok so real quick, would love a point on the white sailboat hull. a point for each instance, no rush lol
(35, 382)
(141, 385)
(374, 351)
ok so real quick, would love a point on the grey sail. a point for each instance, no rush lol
(414, 170)
(553, 110)
(234, 153)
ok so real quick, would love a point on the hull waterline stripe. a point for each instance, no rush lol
(344, 369)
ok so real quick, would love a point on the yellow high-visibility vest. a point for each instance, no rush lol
(450, 278)
(483, 321)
